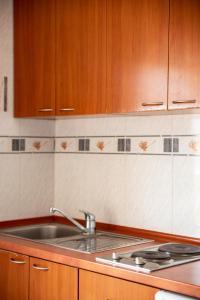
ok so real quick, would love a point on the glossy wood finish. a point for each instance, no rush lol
(80, 56)
(14, 276)
(137, 50)
(100, 287)
(184, 54)
(34, 58)
(52, 281)
(184, 279)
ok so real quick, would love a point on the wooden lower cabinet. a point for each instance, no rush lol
(52, 281)
(100, 287)
(14, 275)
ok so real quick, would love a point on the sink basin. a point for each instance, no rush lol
(42, 231)
(72, 238)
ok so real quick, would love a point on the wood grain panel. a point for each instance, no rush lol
(184, 54)
(58, 282)
(34, 57)
(80, 56)
(100, 287)
(137, 49)
(14, 277)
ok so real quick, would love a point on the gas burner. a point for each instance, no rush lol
(152, 255)
(180, 249)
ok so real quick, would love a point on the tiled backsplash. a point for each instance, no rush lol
(137, 171)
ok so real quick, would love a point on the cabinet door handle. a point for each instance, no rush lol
(66, 109)
(5, 93)
(40, 268)
(152, 103)
(45, 109)
(18, 262)
(184, 101)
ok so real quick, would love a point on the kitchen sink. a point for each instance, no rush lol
(69, 237)
(42, 231)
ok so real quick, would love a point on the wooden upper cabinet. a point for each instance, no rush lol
(100, 287)
(52, 281)
(137, 55)
(14, 276)
(184, 54)
(34, 57)
(80, 57)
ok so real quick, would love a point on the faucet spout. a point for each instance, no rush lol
(53, 210)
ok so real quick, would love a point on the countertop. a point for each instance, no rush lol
(184, 279)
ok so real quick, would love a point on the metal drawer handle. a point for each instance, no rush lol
(66, 109)
(184, 101)
(18, 262)
(40, 268)
(152, 103)
(45, 109)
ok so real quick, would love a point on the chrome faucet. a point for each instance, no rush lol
(90, 223)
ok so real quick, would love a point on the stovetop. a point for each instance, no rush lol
(154, 258)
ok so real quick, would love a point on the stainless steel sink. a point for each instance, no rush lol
(72, 238)
(101, 241)
(42, 231)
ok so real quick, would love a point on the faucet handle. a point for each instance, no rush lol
(88, 214)
(89, 221)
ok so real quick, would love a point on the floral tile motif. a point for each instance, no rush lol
(148, 145)
(190, 145)
(39, 144)
(102, 145)
(66, 145)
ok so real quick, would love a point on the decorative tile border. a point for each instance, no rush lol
(138, 145)
(16, 144)
(182, 145)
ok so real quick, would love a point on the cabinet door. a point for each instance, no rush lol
(51, 281)
(80, 56)
(184, 54)
(34, 57)
(137, 49)
(100, 287)
(14, 276)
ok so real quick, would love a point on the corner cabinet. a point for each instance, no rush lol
(34, 58)
(14, 275)
(59, 57)
(100, 287)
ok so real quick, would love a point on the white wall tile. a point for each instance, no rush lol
(186, 124)
(186, 200)
(36, 185)
(9, 186)
(90, 181)
(148, 201)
